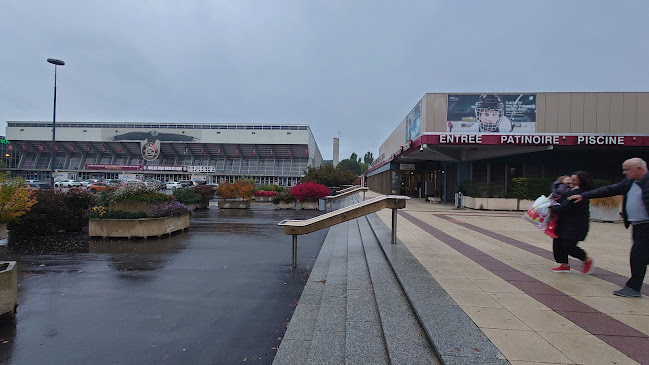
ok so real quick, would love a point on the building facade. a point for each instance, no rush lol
(486, 140)
(269, 154)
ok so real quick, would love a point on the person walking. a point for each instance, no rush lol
(573, 226)
(635, 189)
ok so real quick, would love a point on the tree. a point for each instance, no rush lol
(329, 175)
(351, 165)
(15, 200)
(368, 158)
(353, 157)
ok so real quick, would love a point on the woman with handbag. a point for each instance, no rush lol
(573, 226)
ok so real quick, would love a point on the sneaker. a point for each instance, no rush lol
(561, 269)
(628, 293)
(588, 266)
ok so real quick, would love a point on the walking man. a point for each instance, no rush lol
(635, 189)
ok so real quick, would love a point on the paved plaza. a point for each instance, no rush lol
(496, 268)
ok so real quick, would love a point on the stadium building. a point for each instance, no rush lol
(269, 154)
(450, 140)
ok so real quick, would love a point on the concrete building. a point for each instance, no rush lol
(270, 154)
(336, 157)
(448, 140)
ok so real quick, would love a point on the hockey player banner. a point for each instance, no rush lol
(491, 113)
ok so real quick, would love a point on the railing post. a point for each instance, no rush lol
(363, 196)
(394, 226)
(294, 265)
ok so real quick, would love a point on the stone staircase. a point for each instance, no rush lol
(355, 310)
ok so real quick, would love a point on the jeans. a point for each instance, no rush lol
(562, 248)
(639, 257)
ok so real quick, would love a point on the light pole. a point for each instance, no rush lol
(56, 63)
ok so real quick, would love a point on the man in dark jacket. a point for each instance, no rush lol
(635, 189)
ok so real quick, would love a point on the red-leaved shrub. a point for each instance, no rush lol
(309, 191)
(265, 193)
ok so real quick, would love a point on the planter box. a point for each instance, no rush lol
(234, 204)
(143, 227)
(201, 205)
(8, 290)
(264, 198)
(605, 215)
(284, 205)
(525, 204)
(132, 206)
(490, 203)
(307, 205)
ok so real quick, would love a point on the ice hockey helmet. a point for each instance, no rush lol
(489, 102)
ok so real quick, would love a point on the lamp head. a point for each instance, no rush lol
(54, 61)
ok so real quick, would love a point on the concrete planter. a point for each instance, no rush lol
(490, 203)
(201, 205)
(8, 290)
(3, 231)
(604, 214)
(143, 227)
(525, 204)
(234, 204)
(307, 205)
(283, 205)
(264, 198)
(132, 206)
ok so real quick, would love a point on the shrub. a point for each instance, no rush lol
(15, 200)
(265, 193)
(273, 187)
(119, 214)
(531, 187)
(187, 195)
(329, 176)
(240, 189)
(53, 212)
(468, 189)
(134, 192)
(309, 191)
(169, 209)
(283, 197)
(205, 191)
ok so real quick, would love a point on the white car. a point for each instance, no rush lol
(86, 183)
(67, 184)
(173, 185)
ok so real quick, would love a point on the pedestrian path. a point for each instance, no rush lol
(496, 267)
(475, 285)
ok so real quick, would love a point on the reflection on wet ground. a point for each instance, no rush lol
(221, 292)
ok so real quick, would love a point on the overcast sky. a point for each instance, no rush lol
(350, 67)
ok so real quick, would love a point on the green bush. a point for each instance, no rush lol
(53, 212)
(329, 176)
(119, 214)
(265, 187)
(187, 195)
(531, 187)
(601, 183)
(468, 189)
(283, 197)
(133, 193)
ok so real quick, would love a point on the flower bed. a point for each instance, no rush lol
(234, 204)
(308, 194)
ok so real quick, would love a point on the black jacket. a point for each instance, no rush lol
(622, 188)
(573, 217)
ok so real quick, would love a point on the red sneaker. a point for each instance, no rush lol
(588, 266)
(561, 269)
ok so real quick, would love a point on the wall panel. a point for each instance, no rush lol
(616, 113)
(576, 112)
(629, 113)
(603, 113)
(540, 113)
(642, 119)
(563, 115)
(590, 113)
(551, 112)
(440, 102)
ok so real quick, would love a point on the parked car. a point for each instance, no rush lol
(37, 186)
(156, 184)
(97, 187)
(186, 183)
(32, 181)
(67, 184)
(86, 183)
(173, 185)
(113, 182)
(45, 186)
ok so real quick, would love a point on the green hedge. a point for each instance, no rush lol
(531, 187)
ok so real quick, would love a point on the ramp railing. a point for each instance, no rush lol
(299, 227)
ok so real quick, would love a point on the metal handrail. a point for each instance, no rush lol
(298, 227)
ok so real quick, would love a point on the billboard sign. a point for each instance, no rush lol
(491, 113)
(413, 123)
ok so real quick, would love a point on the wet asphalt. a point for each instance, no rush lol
(220, 293)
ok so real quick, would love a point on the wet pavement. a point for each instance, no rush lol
(219, 293)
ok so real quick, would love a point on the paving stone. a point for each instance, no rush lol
(332, 314)
(365, 344)
(361, 306)
(292, 352)
(303, 322)
(327, 348)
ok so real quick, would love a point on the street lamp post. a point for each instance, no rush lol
(56, 63)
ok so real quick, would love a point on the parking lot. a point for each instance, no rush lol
(220, 293)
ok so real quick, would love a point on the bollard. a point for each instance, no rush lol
(394, 226)
(294, 264)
